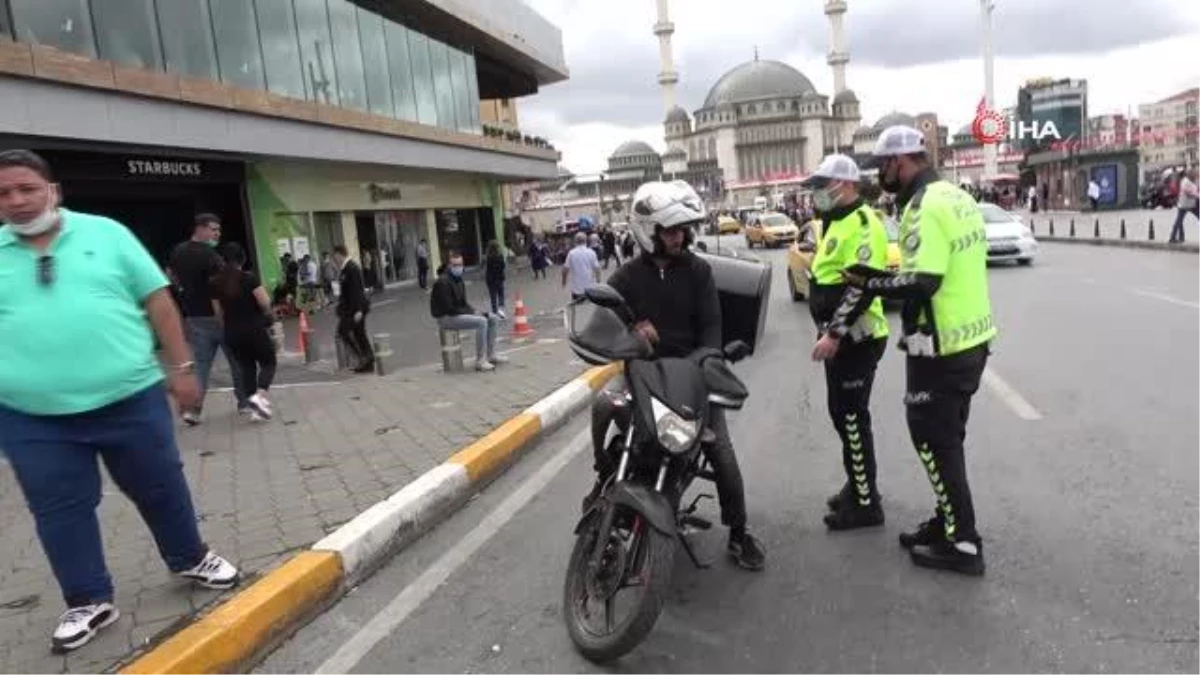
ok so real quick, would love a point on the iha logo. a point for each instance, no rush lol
(991, 127)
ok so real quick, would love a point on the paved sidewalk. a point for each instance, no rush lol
(263, 491)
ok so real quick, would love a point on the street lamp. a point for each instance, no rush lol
(989, 150)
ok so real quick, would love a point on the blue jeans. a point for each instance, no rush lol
(496, 294)
(54, 459)
(484, 327)
(205, 334)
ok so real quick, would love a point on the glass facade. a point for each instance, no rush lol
(66, 24)
(127, 33)
(238, 51)
(375, 63)
(190, 51)
(330, 51)
(347, 54)
(280, 47)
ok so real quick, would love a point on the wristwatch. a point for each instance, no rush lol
(185, 367)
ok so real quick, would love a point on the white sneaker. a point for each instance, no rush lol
(499, 359)
(483, 366)
(213, 572)
(500, 313)
(259, 404)
(190, 418)
(78, 625)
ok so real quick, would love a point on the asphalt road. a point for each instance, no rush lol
(1082, 451)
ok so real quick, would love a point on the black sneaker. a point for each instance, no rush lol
(747, 552)
(964, 557)
(837, 500)
(926, 533)
(367, 367)
(854, 517)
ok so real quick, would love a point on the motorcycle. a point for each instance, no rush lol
(654, 429)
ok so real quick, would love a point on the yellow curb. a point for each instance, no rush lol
(599, 376)
(488, 454)
(236, 631)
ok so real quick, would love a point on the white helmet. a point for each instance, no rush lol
(662, 205)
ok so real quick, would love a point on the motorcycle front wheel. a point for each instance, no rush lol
(637, 556)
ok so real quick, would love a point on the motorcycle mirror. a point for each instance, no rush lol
(736, 351)
(604, 295)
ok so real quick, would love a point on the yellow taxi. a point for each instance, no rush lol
(801, 253)
(728, 225)
(771, 229)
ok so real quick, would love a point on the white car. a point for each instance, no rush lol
(1008, 237)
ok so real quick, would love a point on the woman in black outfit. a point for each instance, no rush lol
(245, 310)
(494, 276)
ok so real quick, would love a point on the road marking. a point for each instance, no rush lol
(1011, 398)
(1166, 298)
(408, 600)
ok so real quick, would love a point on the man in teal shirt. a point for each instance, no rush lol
(79, 378)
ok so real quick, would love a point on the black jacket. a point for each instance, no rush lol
(680, 300)
(354, 291)
(494, 272)
(449, 297)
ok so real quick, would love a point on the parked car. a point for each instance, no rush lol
(1008, 237)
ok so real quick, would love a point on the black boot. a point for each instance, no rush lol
(746, 550)
(964, 557)
(926, 533)
(851, 516)
(844, 496)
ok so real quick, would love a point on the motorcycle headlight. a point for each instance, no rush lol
(674, 433)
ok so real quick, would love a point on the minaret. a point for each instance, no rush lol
(667, 77)
(838, 56)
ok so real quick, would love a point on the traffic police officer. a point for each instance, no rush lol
(948, 327)
(853, 331)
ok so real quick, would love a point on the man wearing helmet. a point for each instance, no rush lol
(673, 297)
(853, 332)
(948, 327)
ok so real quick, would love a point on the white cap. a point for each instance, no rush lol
(833, 167)
(899, 140)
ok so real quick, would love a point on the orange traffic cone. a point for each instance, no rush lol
(300, 343)
(521, 327)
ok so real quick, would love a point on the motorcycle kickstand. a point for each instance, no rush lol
(691, 553)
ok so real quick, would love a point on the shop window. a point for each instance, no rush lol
(462, 95)
(238, 52)
(439, 60)
(400, 69)
(375, 63)
(65, 24)
(347, 54)
(281, 48)
(6, 32)
(473, 92)
(316, 51)
(128, 33)
(422, 68)
(187, 38)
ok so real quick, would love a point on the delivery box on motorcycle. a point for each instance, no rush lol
(745, 287)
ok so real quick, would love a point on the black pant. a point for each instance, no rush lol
(423, 275)
(849, 378)
(730, 492)
(255, 354)
(354, 334)
(937, 404)
(1180, 215)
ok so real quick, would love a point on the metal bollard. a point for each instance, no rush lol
(1051, 227)
(343, 354)
(382, 345)
(1096, 233)
(1122, 228)
(312, 350)
(1151, 229)
(1072, 228)
(1032, 227)
(452, 356)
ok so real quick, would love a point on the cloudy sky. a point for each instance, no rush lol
(911, 55)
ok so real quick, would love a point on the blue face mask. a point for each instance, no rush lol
(456, 271)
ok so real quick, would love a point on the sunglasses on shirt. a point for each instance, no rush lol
(45, 270)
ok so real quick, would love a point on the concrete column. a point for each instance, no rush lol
(435, 249)
(350, 235)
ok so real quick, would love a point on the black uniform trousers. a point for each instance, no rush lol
(354, 334)
(937, 405)
(849, 378)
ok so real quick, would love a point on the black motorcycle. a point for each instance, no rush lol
(654, 431)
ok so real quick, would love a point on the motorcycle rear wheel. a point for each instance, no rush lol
(657, 559)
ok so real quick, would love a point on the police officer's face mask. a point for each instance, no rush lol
(827, 199)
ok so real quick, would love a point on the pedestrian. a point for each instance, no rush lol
(244, 309)
(609, 241)
(1033, 199)
(582, 267)
(627, 246)
(539, 257)
(1093, 193)
(1189, 202)
(329, 275)
(852, 332)
(948, 327)
(596, 245)
(310, 288)
(423, 264)
(94, 390)
(192, 265)
(494, 277)
(448, 304)
(368, 271)
(1045, 202)
(353, 306)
